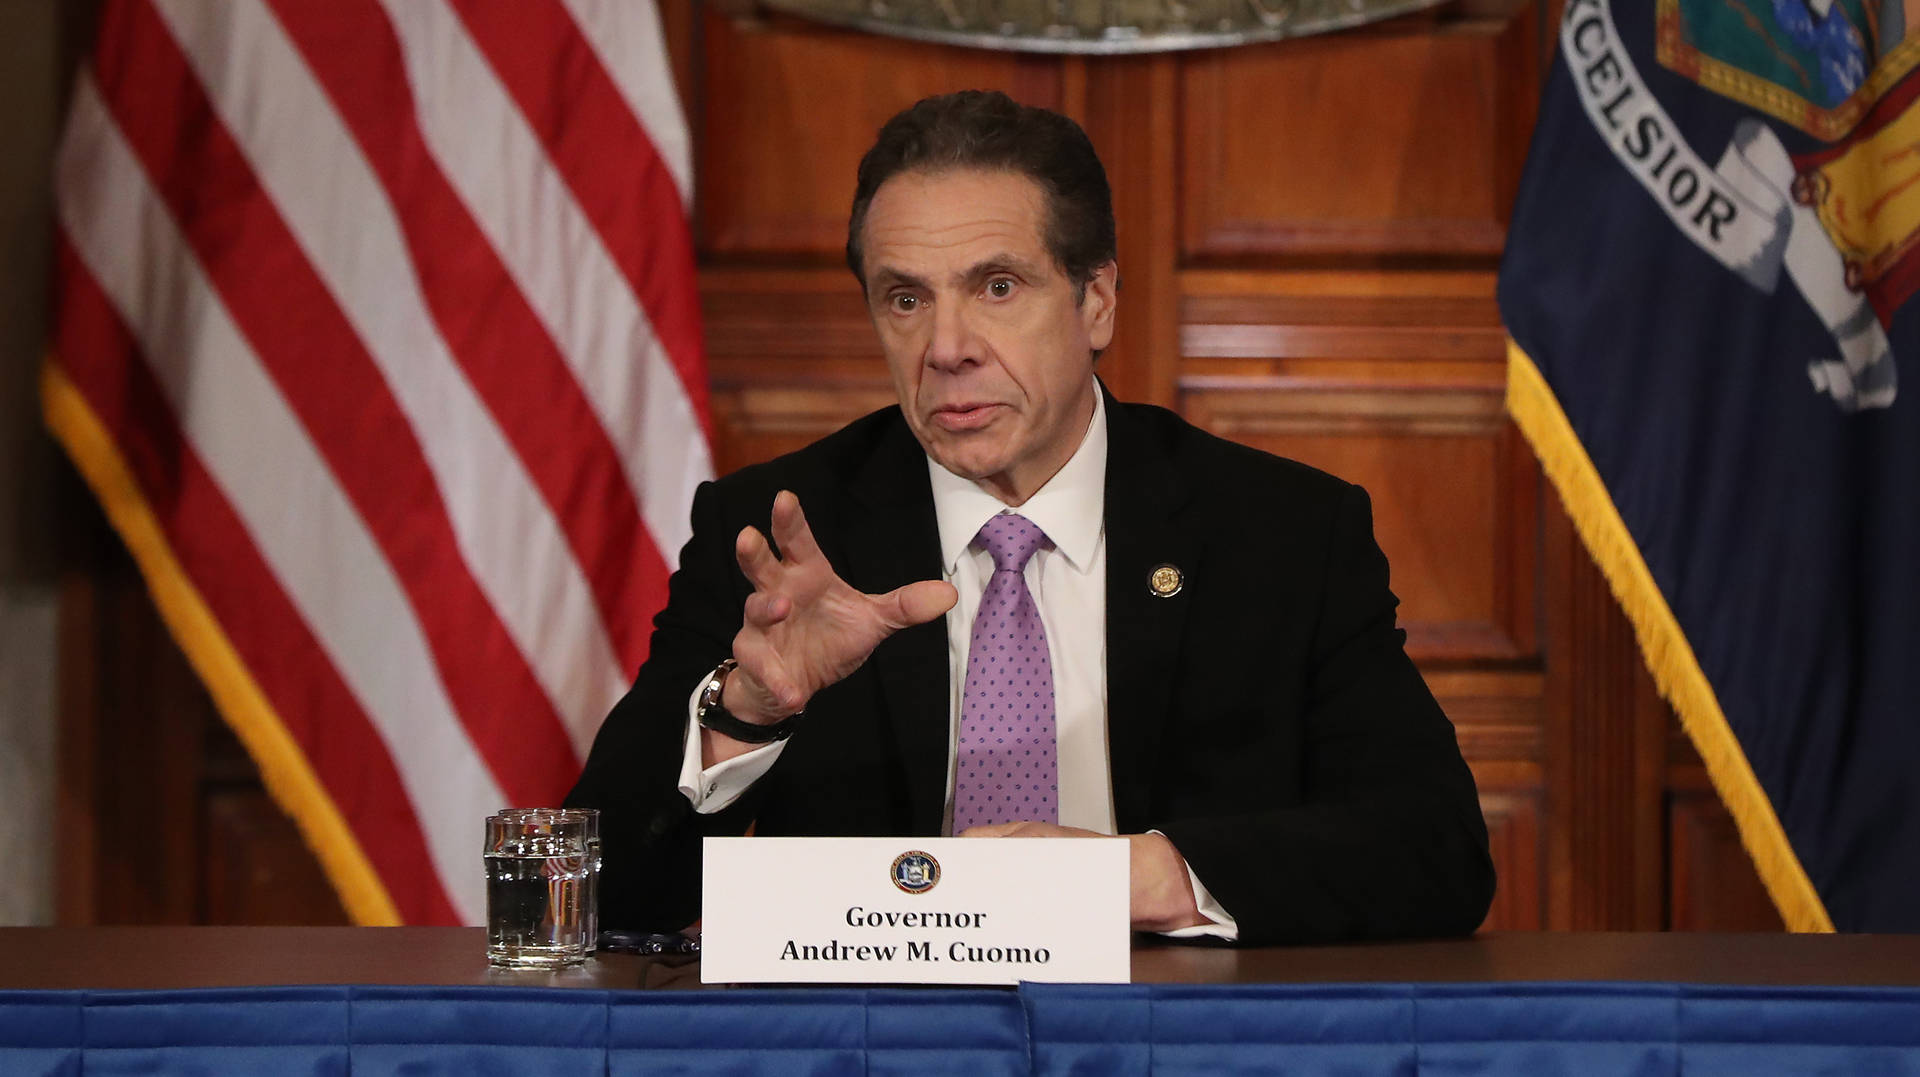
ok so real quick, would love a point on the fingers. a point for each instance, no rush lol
(763, 610)
(767, 681)
(790, 529)
(1028, 829)
(991, 830)
(790, 532)
(756, 559)
(916, 603)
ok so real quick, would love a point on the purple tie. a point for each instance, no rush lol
(1006, 770)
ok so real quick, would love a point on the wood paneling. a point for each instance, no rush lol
(1393, 143)
(1398, 327)
(1606, 736)
(759, 423)
(256, 869)
(1306, 327)
(132, 739)
(1713, 883)
(791, 357)
(787, 110)
(1714, 886)
(1132, 120)
(1513, 834)
(815, 317)
(1438, 463)
(1497, 717)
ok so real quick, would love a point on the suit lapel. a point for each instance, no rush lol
(891, 538)
(1143, 496)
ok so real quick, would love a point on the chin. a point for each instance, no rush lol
(968, 467)
(963, 453)
(964, 470)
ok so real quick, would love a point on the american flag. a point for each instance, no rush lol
(378, 338)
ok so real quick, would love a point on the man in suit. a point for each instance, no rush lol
(1198, 638)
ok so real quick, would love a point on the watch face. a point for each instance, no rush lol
(716, 684)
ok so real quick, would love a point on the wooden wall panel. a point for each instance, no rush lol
(257, 871)
(130, 760)
(1438, 464)
(1453, 335)
(786, 111)
(1396, 142)
(791, 357)
(760, 422)
(1714, 887)
(1496, 716)
(1712, 883)
(1514, 824)
(1606, 735)
(1132, 116)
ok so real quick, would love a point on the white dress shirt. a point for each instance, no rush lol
(1069, 583)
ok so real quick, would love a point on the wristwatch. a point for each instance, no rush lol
(713, 714)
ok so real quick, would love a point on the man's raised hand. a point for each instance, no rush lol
(805, 628)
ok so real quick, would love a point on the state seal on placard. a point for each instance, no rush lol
(915, 872)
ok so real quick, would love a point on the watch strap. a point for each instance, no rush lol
(712, 714)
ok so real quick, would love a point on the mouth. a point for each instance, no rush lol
(965, 416)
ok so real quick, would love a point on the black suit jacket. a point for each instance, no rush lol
(1266, 718)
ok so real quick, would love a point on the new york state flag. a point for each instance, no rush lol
(1709, 285)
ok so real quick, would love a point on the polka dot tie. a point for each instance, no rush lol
(1007, 770)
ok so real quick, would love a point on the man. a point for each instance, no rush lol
(1198, 638)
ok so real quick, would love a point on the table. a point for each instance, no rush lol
(144, 958)
(281, 1000)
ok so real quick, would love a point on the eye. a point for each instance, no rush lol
(1000, 287)
(904, 302)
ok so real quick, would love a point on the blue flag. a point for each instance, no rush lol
(1716, 354)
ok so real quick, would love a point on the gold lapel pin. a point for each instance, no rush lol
(1165, 581)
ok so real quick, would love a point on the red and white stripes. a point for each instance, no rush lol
(389, 309)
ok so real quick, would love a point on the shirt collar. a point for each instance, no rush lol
(1070, 508)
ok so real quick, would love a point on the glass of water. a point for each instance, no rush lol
(540, 866)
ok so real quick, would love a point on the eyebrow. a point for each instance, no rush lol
(888, 277)
(1003, 262)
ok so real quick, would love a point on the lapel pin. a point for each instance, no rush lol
(1165, 581)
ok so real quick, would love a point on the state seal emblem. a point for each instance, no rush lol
(1841, 222)
(1818, 65)
(915, 872)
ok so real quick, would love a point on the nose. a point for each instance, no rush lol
(954, 343)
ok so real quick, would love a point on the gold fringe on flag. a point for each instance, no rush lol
(283, 766)
(1676, 670)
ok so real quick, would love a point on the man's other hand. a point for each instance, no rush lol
(1160, 894)
(805, 628)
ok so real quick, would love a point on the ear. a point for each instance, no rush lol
(1097, 306)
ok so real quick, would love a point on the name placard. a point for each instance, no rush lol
(914, 910)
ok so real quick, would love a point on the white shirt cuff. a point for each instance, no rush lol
(717, 786)
(1222, 925)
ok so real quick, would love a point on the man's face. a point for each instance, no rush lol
(991, 355)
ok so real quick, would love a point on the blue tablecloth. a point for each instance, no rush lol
(1530, 1029)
